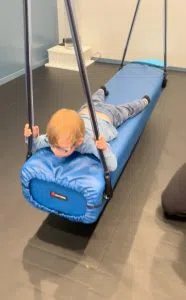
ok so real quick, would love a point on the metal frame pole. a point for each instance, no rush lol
(87, 91)
(165, 40)
(129, 35)
(28, 69)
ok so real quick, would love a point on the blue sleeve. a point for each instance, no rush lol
(89, 147)
(111, 159)
(40, 142)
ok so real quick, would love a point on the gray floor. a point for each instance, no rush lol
(132, 253)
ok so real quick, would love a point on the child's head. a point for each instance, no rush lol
(65, 131)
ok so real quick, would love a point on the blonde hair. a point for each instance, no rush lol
(67, 123)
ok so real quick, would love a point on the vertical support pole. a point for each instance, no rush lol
(165, 45)
(129, 35)
(87, 91)
(28, 69)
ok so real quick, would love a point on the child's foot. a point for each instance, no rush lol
(146, 99)
(106, 92)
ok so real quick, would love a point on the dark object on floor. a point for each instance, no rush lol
(174, 196)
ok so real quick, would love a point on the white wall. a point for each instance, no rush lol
(104, 26)
(63, 25)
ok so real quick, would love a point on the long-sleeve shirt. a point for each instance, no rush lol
(106, 129)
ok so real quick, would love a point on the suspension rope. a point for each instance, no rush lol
(28, 69)
(87, 92)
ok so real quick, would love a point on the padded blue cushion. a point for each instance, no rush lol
(78, 181)
(151, 62)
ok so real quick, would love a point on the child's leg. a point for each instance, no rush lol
(128, 110)
(97, 97)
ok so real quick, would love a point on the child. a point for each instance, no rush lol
(68, 131)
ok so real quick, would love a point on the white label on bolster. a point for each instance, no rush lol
(59, 196)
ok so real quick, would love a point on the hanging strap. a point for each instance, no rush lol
(129, 35)
(28, 70)
(87, 91)
(165, 40)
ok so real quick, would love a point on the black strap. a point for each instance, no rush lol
(165, 39)
(129, 35)
(87, 91)
(28, 70)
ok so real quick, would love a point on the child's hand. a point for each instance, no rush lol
(28, 132)
(101, 144)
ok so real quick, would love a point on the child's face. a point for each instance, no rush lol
(65, 147)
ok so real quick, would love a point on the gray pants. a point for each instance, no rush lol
(117, 113)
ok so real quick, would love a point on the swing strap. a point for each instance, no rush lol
(87, 92)
(165, 37)
(129, 35)
(28, 70)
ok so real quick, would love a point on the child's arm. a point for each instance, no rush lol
(110, 158)
(39, 141)
(91, 147)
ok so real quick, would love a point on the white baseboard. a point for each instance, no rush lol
(101, 60)
(117, 62)
(21, 72)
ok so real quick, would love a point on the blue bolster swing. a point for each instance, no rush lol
(75, 187)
